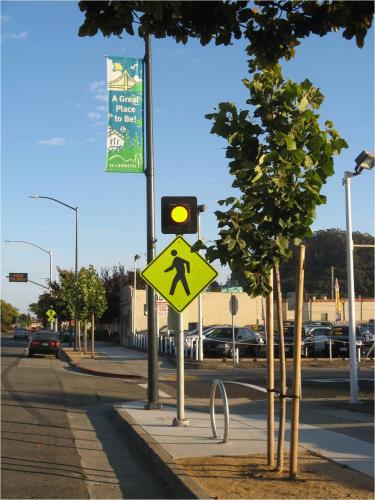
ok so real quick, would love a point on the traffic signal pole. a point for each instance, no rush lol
(153, 383)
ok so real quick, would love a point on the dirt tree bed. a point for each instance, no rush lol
(250, 477)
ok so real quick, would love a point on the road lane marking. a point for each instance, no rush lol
(188, 378)
(161, 393)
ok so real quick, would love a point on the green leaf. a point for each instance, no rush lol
(290, 143)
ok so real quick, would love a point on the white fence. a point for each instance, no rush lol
(166, 345)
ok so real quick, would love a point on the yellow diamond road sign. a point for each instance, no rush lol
(178, 274)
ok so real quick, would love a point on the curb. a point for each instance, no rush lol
(98, 373)
(183, 485)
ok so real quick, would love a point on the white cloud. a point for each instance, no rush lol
(19, 36)
(95, 86)
(55, 141)
(99, 89)
(102, 108)
(94, 116)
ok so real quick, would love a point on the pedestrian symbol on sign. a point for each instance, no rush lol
(179, 274)
(179, 265)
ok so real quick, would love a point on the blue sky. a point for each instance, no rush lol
(53, 139)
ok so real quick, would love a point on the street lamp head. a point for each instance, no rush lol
(365, 160)
(136, 257)
(34, 196)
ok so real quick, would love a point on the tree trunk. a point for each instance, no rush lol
(92, 336)
(283, 388)
(270, 379)
(79, 335)
(85, 337)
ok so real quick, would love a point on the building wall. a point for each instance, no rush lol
(215, 310)
(326, 309)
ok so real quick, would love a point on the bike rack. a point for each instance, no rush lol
(220, 384)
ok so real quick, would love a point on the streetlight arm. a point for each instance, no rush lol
(57, 201)
(28, 243)
(35, 283)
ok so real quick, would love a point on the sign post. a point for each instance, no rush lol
(179, 275)
(233, 306)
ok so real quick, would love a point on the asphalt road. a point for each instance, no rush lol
(317, 382)
(59, 438)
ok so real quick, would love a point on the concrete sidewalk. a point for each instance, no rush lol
(153, 431)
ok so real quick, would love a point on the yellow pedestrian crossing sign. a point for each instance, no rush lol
(178, 274)
(51, 314)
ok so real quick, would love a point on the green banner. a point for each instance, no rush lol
(125, 117)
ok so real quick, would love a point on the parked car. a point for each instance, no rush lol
(219, 341)
(21, 333)
(339, 335)
(194, 334)
(316, 341)
(368, 337)
(44, 342)
(66, 336)
(309, 325)
(289, 341)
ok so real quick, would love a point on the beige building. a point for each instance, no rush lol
(215, 310)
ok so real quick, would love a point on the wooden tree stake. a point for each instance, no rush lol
(293, 462)
(270, 379)
(283, 388)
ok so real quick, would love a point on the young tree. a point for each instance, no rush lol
(91, 298)
(280, 158)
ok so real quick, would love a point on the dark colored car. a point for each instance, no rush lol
(368, 338)
(339, 336)
(289, 341)
(219, 341)
(21, 333)
(44, 343)
(316, 342)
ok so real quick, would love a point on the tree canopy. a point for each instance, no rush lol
(280, 157)
(9, 314)
(113, 280)
(279, 154)
(273, 28)
(91, 298)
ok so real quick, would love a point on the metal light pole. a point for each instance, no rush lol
(40, 248)
(364, 161)
(153, 382)
(136, 257)
(76, 249)
(332, 282)
(201, 209)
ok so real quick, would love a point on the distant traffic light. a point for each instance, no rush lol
(179, 215)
